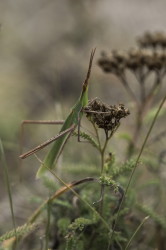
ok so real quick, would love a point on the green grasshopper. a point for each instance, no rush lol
(70, 124)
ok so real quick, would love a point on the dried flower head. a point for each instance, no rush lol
(138, 59)
(134, 59)
(149, 59)
(152, 40)
(105, 116)
(115, 63)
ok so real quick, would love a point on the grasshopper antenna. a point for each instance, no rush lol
(85, 84)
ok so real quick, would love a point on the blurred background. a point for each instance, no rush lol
(44, 54)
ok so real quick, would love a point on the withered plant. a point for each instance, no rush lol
(106, 117)
(147, 63)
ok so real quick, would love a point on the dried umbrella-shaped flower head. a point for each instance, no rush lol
(105, 116)
(152, 40)
(114, 63)
(135, 60)
(141, 59)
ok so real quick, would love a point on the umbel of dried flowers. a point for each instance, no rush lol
(134, 60)
(105, 116)
(152, 40)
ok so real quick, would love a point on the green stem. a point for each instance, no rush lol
(103, 154)
(97, 136)
(60, 192)
(7, 181)
(138, 126)
(136, 231)
(48, 225)
(101, 150)
(84, 201)
(136, 163)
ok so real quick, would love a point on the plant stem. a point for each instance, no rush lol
(7, 181)
(138, 126)
(101, 150)
(127, 87)
(103, 154)
(60, 192)
(97, 135)
(48, 224)
(136, 163)
(84, 201)
(136, 231)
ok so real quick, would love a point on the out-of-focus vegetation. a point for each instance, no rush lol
(44, 46)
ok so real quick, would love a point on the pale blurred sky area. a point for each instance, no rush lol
(45, 47)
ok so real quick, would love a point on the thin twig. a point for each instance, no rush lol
(128, 89)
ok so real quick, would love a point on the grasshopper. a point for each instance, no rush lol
(69, 125)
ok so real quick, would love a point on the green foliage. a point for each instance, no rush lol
(108, 181)
(63, 224)
(157, 218)
(87, 137)
(79, 224)
(62, 203)
(20, 231)
(123, 169)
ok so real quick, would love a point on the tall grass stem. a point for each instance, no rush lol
(7, 182)
(136, 163)
(136, 231)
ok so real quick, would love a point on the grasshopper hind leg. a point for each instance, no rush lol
(22, 131)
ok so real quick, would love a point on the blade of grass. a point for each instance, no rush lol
(136, 231)
(64, 189)
(58, 193)
(7, 182)
(136, 163)
(48, 225)
(79, 197)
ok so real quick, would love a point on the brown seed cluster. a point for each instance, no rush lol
(134, 60)
(105, 116)
(152, 40)
(149, 56)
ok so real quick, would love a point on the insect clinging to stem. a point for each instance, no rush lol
(69, 125)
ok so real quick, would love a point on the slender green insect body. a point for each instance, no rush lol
(71, 121)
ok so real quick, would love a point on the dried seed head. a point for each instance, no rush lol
(120, 56)
(152, 40)
(155, 62)
(105, 116)
(115, 63)
(134, 60)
